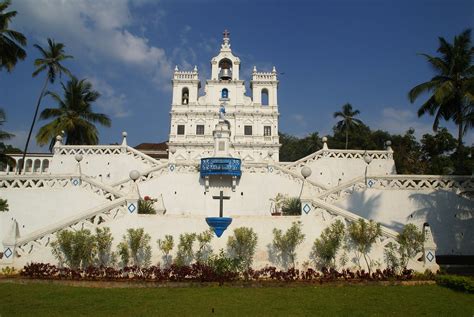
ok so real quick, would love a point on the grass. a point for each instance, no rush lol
(36, 299)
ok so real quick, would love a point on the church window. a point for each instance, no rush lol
(265, 97)
(200, 129)
(267, 130)
(181, 129)
(225, 93)
(248, 130)
(185, 96)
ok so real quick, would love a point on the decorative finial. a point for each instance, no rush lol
(176, 68)
(255, 69)
(226, 34)
(274, 69)
(195, 68)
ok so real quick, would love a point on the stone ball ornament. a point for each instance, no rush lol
(270, 152)
(306, 171)
(134, 175)
(78, 157)
(367, 158)
(59, 138)
(173, 150)
(124, 134)
(325, 139)
(388, 143)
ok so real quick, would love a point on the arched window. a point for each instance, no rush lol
(264, 97)
(29, 166)
(225, 93)
(185, 96)
(37, 166)
(225, 66)
(45, 166)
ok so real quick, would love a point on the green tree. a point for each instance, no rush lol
(103, 238)
(436, 150)
(411, 241)
(51, 62)
(242, 246)
(76, 249)
(185, 254)
(74, 115)
(362, 235)
(165, 246)
(4, 158)
(407, 153)
(285, 244)
(135, 246)
(204, 245)
(452, 88)
(325, 248)
(11, 42)
(348, 119)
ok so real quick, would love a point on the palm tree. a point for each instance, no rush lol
(452, 87)
(11, 41)
(74, 115)
(50, 61)
(4, 159)
(348, 121)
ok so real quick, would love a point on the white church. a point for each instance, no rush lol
(224, 141)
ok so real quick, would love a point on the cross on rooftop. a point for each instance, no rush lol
(221, 197)
(226, 34)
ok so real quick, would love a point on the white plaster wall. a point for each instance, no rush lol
(35, 208)
(450, 216)
(107, 168)
(159, 226)
(334, 171)
(184, 193)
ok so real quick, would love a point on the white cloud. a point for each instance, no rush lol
(96, 30)
(400, 120)
(111, 102)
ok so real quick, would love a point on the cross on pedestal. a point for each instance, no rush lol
(226, 34)
(221, 197)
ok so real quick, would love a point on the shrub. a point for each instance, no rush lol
(8, 271)
(459, 283)
(185, 254)
(242, 245)
(223, 267)
(326, 246)
(74, 248)
(285, 244)
(391, 256)
(291, 206)
(362, 236)
(3, 205)
(146, 207)
(166, 245)
(411, 242)
(103, 238)
(204, 241)
(135, 246)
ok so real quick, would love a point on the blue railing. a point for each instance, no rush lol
(220, 166)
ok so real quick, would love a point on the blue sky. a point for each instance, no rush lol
(330, 53)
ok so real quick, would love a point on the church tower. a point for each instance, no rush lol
(252, 122)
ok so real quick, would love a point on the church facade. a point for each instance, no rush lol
(251, 120)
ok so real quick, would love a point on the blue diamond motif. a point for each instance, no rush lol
(270, 169)
(131, 208)
(75, 182)
(8, 252)
(306, 208)
(172, 167)
(430, 256)
(370, 183)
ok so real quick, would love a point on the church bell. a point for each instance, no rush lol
(226, 74)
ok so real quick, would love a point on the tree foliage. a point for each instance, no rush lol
(451, 90)
(166, 245)
(363, 234)
(285, 244)
(74, 115)
(325, 247)
(11, 41)
(242, 246)
(135, 248)
(348, 121)
(76, 249)
(185, 254)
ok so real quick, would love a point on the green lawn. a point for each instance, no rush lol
(374, 300)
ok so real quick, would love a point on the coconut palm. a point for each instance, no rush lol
(11, 41)
(4, 159)
(74, 115)
(51, 62)
(348, 119)
(452, 88)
